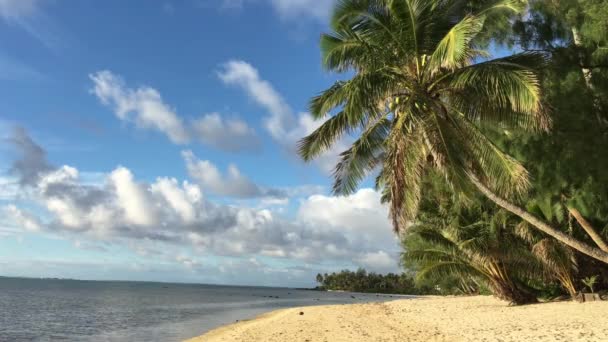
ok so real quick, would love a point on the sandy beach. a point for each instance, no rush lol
(478, 318)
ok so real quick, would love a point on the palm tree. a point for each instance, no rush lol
(420, 94)
(478, 253)
(559, 261)
(471, 241)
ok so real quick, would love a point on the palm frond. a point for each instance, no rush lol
(324, 137)
(361, 158)
(455, 50)
(508, 85)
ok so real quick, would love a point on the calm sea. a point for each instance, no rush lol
(74, 310)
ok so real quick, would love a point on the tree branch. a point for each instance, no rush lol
(597, 238)
(564, 238)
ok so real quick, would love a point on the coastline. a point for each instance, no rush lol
(423, 319)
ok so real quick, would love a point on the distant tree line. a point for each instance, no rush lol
(371, 282)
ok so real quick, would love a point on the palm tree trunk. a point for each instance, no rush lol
(566, 239)
(597, 238)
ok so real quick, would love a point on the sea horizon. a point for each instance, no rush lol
(160, 282)
(87, 310)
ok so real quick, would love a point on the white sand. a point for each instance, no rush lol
(428, 319)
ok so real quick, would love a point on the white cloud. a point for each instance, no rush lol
(282, 124)
(169, 218)
(230, 134)
(232, 184)
(182, 200)
(145, 107)
(294, 9)
(361, 217)
(28, 15)
(15, 10)
(245, 76)
(132, 198)
(9, 188)
(21, 218)
(379, 260)
(290, 9)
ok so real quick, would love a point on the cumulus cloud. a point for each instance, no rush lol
(231, 134)
(21, 218)
(145, 107)
(234, 183)
(167, 214)
(379, 260)
(32, 161)
(281, 123)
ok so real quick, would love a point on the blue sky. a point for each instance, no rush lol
(154, 140)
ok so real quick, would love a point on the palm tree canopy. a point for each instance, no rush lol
(420, 94)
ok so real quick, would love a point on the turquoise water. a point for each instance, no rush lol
(73, 310)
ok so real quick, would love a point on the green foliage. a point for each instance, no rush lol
(430, 112)
(590, 282)
(362, 281)
(473, 244)
(568, 165)
(419, 96)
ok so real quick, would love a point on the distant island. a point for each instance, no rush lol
(371, 282)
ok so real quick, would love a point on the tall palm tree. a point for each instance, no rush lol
(420, 93)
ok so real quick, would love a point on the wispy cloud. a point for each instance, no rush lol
(29, 16)
(17, 10)
(14, 70)
(282, 123)
(295, 9)
(288, 9)
(145, 107)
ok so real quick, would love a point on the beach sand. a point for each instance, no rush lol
(478, 318)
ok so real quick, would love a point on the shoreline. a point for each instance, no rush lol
(422, 319)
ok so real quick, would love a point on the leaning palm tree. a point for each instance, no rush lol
(483, 252)
(420, 93)
(472, 242)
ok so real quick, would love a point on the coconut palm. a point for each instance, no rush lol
(420, 94)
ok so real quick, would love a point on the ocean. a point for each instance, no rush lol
(75, 310)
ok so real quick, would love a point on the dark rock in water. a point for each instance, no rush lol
(301, 313)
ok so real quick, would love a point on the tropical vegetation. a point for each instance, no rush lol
(493, 168)
(371, 282)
